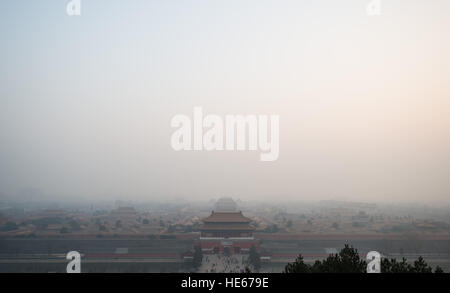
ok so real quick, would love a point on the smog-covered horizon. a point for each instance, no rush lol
(100, 105)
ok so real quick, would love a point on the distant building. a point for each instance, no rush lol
(226, 229)
(226, 225)
(55, 213)
(124, 214)
(226, 205)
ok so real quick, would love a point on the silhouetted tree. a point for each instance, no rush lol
(420, 266)
(289, 223)
(9, 226)
(198, 257)
(393, 266)
(298, 266)
(64, 230)
(346, 261)
(74, 225)
(254, 258)
(171, 229)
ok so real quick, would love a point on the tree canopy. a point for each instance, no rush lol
(348, 260)
(254, 258)
(198, 257)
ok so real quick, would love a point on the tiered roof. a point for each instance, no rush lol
(235, 217)
(235, 221)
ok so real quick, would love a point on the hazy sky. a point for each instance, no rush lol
(364, 101)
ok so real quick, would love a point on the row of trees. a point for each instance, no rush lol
(349, 261)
